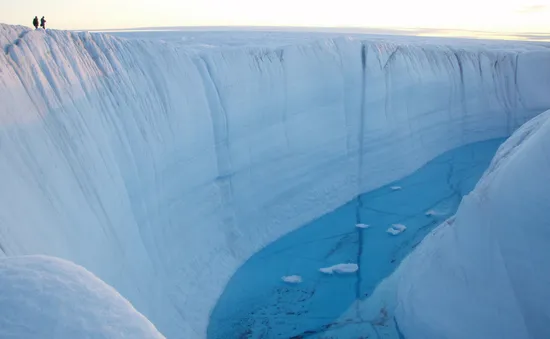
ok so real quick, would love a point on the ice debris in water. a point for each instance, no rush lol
(395, 229)
(396, 188)
(292, 279)
(362, 225)
(340, 268)
(431, 213)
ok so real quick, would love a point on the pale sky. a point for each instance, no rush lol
(518, 16)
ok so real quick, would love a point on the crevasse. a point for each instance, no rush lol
(162, 169)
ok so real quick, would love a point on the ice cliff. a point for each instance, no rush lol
(161, 168)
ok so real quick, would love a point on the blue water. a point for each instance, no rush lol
(258, 304)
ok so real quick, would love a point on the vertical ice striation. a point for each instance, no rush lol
(162, 169)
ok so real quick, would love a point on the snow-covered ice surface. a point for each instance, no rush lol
(256, 305)
(45, 297)
(214, 37)
(482, 273)
(162, 166)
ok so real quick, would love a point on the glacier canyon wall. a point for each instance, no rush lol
(161, 169)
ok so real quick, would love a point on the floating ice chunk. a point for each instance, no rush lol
(362, 225)
(396, 188)
(395, 229)
(340, 268)
(399, 227)
(431, 213)
(327, 270)
(392, 231)
(292, 279)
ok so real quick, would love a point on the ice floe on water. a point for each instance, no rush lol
(340, 269)
(362, 225)
(396, 188)
(292, 279)
(396, 229)
(431, 213)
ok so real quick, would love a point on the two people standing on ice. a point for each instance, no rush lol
(42, 23)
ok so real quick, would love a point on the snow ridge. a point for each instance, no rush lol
(161, 169)
(48, 297)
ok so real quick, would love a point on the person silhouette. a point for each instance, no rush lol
(35, 22)
(43, 23)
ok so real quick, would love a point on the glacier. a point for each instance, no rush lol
(161, 168)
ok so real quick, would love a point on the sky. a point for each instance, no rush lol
(505, 16)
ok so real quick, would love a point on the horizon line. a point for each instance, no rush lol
(412, 31)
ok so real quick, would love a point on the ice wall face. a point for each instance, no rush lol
(162, 169)
(486, 275)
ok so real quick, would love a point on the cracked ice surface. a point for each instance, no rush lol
(161, 169)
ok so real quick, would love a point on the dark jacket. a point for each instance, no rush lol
(42, 22)
(35, 21)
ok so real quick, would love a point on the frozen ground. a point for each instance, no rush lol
(162, 168)
(256, 304)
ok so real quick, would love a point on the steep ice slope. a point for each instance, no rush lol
(44, 297)
(10, 34)
(486, 275)
(162, 169)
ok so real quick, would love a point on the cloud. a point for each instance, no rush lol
(533, 9)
